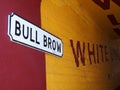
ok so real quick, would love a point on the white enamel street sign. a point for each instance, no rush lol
(28, 34)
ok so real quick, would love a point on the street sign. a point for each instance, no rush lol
(28, 34)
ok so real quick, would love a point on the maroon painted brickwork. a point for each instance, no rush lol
(21, 68)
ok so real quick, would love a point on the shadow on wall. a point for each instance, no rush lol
(118, 88)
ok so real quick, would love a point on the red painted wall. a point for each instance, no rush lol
(21, 67)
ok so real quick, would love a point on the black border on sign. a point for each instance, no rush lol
(9, 34)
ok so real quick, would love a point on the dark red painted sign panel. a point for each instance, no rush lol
(21, 68)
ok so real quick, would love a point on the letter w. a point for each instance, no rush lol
(78, 52)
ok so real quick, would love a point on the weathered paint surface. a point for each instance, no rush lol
(91, 58)
(21, 68)
(90, 33)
